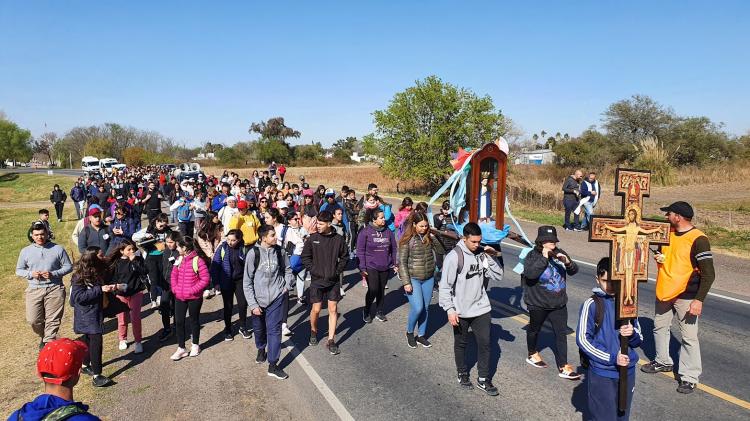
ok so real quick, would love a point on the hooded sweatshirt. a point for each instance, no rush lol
(264, 284)
(464, 293)
(602, 344)
(376, 248)
(325, 256)
(544, 280)
(44, 404)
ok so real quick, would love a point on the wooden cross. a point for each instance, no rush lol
(629, 237)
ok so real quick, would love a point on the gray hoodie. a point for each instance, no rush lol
(470, 298)
(264, 284)
(49, 257)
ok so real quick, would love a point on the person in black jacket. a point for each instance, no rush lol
(545, 269)
(86, 295)
(324, 256)
(58, 198)
(166, 299)
(571, 195)
(129, 269)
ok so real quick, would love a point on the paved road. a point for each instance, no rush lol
(377, 377)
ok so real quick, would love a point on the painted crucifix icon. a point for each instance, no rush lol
(630, 237)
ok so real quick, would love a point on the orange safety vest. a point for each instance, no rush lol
(677, 269)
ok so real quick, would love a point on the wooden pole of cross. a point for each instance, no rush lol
(629, 236)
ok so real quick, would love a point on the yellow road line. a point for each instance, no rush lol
(516, 314)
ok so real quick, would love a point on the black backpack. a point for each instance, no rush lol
(598, 318)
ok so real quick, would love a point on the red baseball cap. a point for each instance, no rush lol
(94, 211)
(242, 204)
(60, 360)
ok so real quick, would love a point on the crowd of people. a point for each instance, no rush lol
(259, 241)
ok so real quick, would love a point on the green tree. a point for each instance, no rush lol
(425, 123)
(273, 150)
(135, 155)
(343, 148)
(369, 144)
(313, 152)
(632, 119)
(15, 142)
(698, 141)
(231, 156)
(100, 148)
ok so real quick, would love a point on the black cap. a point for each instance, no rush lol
(546, 233)
(680, 208)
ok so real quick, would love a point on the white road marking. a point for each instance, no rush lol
(581, 262)
(323, 388)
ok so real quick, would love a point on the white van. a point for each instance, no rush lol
(90, 164)
(106, 164)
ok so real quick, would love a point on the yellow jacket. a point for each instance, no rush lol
(248, 224)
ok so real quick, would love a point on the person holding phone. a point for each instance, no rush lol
(127, 271)
(545, 270)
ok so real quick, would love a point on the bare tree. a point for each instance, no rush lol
(46, 144)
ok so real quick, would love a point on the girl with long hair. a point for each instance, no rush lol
(86, 297)
(376, 250)
(152, 240)
(166, 303)
(210, 234)
(189, 279)
(404, 211)
(127, 268)
(417, 252)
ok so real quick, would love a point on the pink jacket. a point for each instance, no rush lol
(186, 284)
(401, 217)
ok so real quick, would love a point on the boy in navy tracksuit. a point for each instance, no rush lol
(600, 342)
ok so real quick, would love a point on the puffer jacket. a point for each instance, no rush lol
(186, 284)
(417, 259)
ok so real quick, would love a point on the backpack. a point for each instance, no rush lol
(598, 318)
(61, 413)
(256, 257)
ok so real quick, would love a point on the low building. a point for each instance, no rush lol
(537, 157)
(210, 156)
(356, 157)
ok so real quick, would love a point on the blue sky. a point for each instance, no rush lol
(206, 70)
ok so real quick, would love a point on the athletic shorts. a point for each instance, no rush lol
(319, 294)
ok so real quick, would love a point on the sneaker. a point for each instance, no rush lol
(301, 301)
(423, 341)
(487, 386)
(217, 291)
(536, 360)
(179, 354)
(332, 347)
(261, 357)
(568, 372)
(386, 286)
(246, 333)
(410, 340)
(275, 371)
(87, 371)
(100, 381)
(208, 294)
(165, 334)
(313, 339)
(463, 381)
(343, 293)
(686, 387)
(656, 367)
(158, 301)
(381, 317)
(137, 348)
(195, 350)
(228, 337)
(366, 317)
(154, 306)
(285, 330)
(123, 345)
(577, 229)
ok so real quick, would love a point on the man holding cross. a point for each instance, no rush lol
(686, 272)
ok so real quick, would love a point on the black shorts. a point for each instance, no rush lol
(318, 294)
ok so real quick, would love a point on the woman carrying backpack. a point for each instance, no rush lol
(128, 269)
(189, 279)
(544, 292)
(267, 280)
(417, 252)
(376, 249)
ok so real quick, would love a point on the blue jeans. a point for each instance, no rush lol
(588, 207)
(603, 395)
(419, 304)
(267, 328)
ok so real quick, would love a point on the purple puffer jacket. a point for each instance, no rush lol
(186, 284)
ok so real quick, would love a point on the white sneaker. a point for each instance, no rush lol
(137, 348)
(285, 330)
(153, 305)
(158, 301)
(195, 350)
(343, 293)
(179, 354)
(123, 345)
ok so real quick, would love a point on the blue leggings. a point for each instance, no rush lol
(419, 304)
